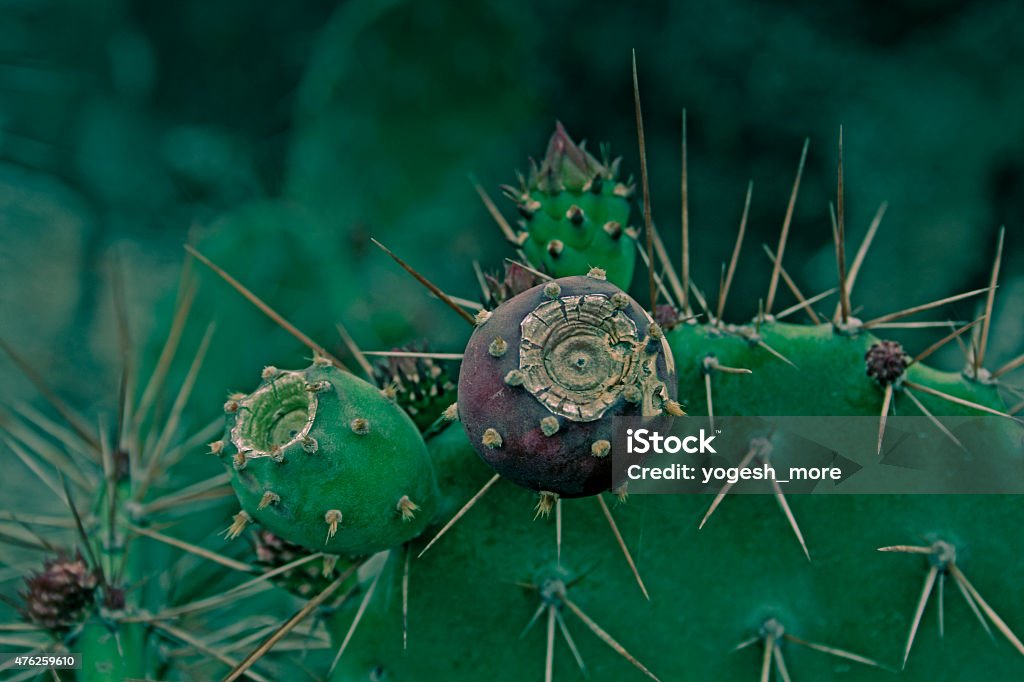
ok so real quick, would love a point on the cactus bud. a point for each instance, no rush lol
(58, 597)
(421, 386)
(575, 211)
(886, 361)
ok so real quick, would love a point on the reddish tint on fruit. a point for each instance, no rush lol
(544, 374)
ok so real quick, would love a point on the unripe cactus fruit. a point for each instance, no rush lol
(578, 351)
(322, 459)
(575, 213)
(305, 579)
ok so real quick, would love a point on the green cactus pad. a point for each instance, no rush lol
(713, 588)
(322, 459)
(575, 213)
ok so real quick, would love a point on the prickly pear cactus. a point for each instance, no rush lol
(324, 460)
(740, 589)
(575, 213)
(660, 587)
(544, 373)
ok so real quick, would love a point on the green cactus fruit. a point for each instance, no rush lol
(421, 386)
(544, 373)
(324, 460)
(575, 213)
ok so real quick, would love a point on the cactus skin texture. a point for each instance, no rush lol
(831, 373)
(575, 213)
(322, 459)
(542, 377)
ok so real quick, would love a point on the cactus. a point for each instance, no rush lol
(737, 589)
(111, 586)
(422, 387)
(575, 213)
(544, 373)
(578, 575)
(738, 585)
(324, 460)
(710, 589)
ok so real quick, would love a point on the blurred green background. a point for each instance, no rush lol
(282, 135)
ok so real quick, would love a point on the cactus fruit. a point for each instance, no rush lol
(324, 460)
(543, 375)
(575, 213)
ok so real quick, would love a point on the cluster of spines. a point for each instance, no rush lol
(419, 384)
(59, 596)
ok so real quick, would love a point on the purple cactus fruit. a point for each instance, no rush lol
(545, 372)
